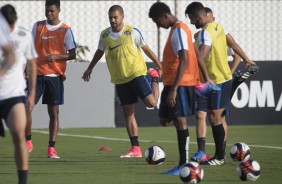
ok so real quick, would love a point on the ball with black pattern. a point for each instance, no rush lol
(155, 155)
(191, 173)
(240, 151)
(248, 170)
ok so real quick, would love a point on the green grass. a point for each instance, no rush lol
(82, 163)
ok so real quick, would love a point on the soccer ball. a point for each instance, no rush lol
(248, 170)
(191, 173)
(155, 155)
(240, 151)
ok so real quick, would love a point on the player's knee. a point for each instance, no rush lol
(166, 122)
(152, 103)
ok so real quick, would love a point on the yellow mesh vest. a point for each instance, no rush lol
(124, 61)
(217, 65)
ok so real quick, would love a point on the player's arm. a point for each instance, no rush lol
(31, 77)
(203, 53)
(235, 62)
(70, 45)
(183, 63)
(97, 56)
(153, 57)
(9, 58)
(237, 49)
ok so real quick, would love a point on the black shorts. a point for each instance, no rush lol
(7, 104)
(51, 89)
(129, 92)
(185, 103)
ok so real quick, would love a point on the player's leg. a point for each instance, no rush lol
(201, 127)
(218, 100)
(53, 96)
(39, 91)
(240, 77)
(16, 122)
(201, 131)
(153, 73)
(185, 105)
(127, 98)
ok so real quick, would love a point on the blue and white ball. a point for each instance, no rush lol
(155, 155)
(191, 173)
(248, 170)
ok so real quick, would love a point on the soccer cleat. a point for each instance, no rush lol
(252, 69)
(173, 171)
(134, 152)
(52, 153)
(213, 161)
(240, 77)
(153, 73)
(199, 156)
(29, 145)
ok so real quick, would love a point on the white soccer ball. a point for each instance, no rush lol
(191, 173)
(240, 151)
(248, 170)
(155, 155)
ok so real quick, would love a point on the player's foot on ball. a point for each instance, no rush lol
(153, 72)
(29, 145)
(213, 161)
(52, 153)
(173, 171)
(135, 151)
(199, 156)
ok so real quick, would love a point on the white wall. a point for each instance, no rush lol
(87, 104)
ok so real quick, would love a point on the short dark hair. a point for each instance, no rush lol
(10, 14)
(195, 8)
(158, 9)
(116, 8)
(208, 10)
(57, 3)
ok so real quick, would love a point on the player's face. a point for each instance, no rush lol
(195, 20)
(52, 12)
(162, 21)
(116, 20)
(210, 17)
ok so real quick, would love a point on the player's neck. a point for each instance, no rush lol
(53, 22)
(118, 29)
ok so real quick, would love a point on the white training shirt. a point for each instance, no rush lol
(137, 38)
(179, 40)
(4, 32)
(69, 41)
(13, 80)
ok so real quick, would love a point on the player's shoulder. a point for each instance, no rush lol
(23, 32)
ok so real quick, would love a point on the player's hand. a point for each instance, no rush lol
(30, 103)
(86, 75)
(50, 57)
(160, 71)
(171, 98)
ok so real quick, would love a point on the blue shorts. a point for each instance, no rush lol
(6, 105)
(201, 102)
(51, 89)
(219, 97)
(129, 92)
(185, 103)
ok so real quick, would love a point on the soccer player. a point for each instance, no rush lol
(54, 43)
(201, 109)
(122, 46)
(180, 75)
(201, 103)
(212, 57)
(12, 95)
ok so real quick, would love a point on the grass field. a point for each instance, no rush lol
(82, 163)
